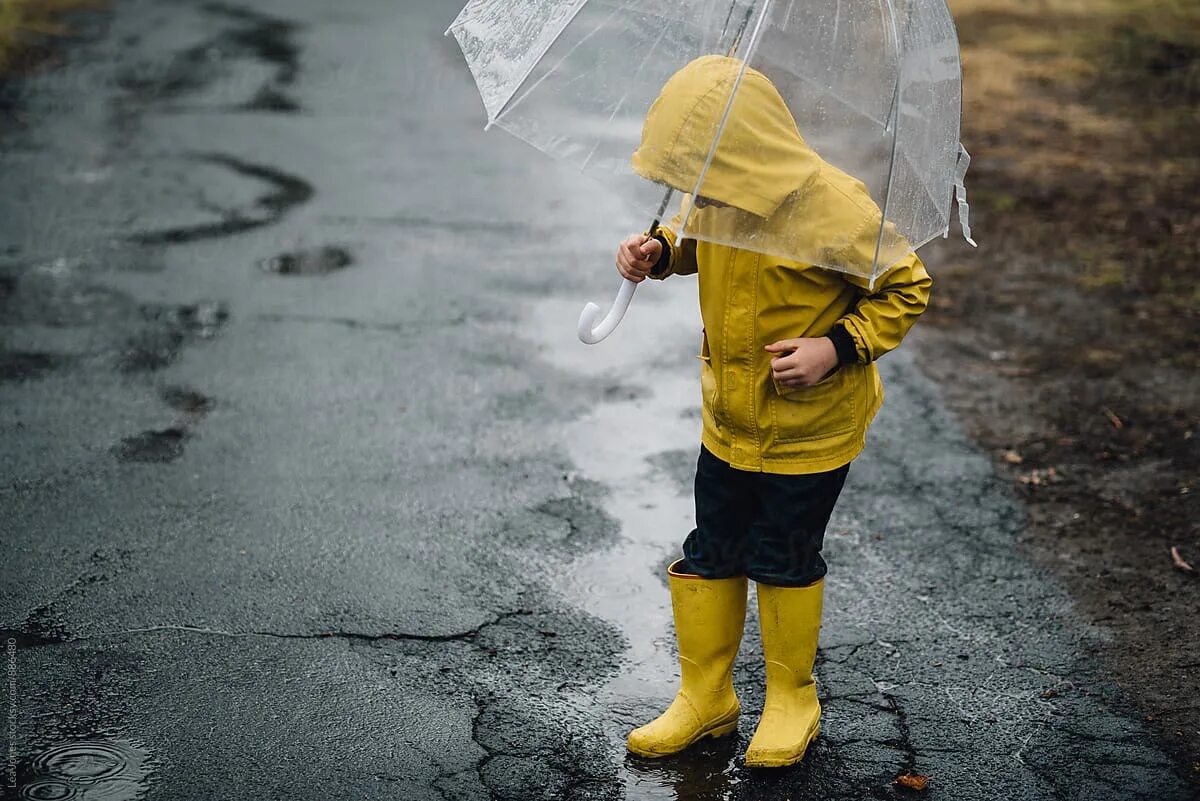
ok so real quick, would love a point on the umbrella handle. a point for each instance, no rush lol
(591, 331)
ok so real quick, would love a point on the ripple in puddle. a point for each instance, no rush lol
(113, 770)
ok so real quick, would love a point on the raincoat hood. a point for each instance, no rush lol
(786, 200)
(760, 159)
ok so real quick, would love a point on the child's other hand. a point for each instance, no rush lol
(636, 255)
(810, 360)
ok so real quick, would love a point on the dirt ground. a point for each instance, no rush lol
(1069, 341)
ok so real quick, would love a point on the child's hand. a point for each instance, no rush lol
(810, 360)
(636, 255)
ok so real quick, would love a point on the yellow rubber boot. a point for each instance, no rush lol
(790, 618)
(709, 617)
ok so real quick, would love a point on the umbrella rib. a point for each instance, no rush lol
(728, 17)
(533, 62)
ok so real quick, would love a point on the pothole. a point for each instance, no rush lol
(24, 365)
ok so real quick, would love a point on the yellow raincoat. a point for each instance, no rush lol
(748, 300)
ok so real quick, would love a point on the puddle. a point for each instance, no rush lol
(168, 330)
(150, 350)
(284, 192)
(199, 319)
(643, 447)
(188, 71)
(112, 770)
(255, 39)
(316, 261)
(57, 293)
(268, 98)
(43, 626)
(27, 639)
(164, 445)
(186, 400)
(26, 365)
(268, 39)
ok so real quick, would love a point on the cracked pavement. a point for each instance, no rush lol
(309, 491)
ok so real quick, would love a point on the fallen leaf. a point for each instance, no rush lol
(1112, 418)
(1180, 562)
(911, 781)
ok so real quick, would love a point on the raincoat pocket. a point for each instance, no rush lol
(815, 412)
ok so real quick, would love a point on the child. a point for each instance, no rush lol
(789, 388)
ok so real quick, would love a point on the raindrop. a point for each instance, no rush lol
(84, 761)
(88, 769)
(47, 790)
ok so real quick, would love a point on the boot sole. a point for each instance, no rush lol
(716, 731)
(781, 761)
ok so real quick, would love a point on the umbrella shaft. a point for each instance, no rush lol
(662, 209)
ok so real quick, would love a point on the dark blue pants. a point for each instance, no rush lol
(765, 526)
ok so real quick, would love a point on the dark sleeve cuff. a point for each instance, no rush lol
(664, 258)
(843, 343)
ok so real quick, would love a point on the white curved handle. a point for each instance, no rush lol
(591, 332)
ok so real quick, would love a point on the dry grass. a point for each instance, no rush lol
(1086, 111)
(1072, 335)
(26, 25)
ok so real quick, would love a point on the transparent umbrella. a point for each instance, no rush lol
(827, 134)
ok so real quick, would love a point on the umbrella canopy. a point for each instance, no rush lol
(826, 131)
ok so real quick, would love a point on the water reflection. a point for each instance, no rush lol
(706, 772)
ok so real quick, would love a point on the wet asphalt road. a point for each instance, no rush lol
(309, 492)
